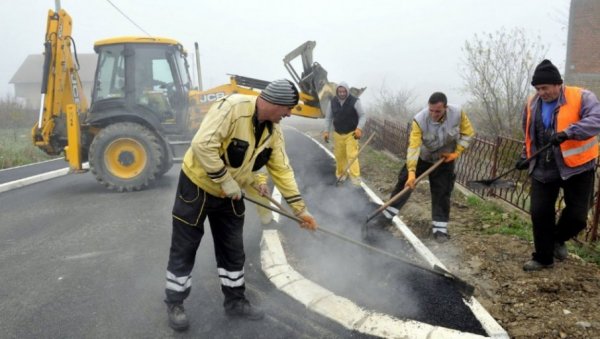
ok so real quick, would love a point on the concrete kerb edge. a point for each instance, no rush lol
(340, 309)
(32, 179)
(8, 186)
(490, 325)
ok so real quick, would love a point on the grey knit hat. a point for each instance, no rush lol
(281, 92)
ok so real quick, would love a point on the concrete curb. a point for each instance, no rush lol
(11, 185)
(336, 308)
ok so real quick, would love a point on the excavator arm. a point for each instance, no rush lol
(315, 90)
(62, 97)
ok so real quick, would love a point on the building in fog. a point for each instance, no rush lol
(583, 45)
(28, 78)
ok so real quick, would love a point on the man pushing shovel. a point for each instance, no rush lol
(438, 131)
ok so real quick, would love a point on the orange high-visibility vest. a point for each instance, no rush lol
(575, 152)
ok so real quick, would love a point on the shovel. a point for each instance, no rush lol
(462, 286)
(345, 172)
(495, 182)
(405, 190)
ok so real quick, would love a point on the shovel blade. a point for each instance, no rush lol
(487, 184)
(462, 286)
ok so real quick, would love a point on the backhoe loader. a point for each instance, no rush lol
(143, 110)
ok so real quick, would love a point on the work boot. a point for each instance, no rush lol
(534, 265)
(177, 318)
(243, 309)
(441, 237)
(560, 251)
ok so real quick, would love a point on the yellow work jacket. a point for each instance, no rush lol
(228, 125)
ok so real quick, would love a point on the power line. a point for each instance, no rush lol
(128, 18)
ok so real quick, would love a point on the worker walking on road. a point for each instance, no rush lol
(347, 116)
(239, 135)
(568, 118)
(438, 131)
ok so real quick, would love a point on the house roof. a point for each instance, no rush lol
(30, 70)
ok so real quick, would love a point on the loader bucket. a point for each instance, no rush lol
(316, 90)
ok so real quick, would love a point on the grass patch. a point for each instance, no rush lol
(17, 149)
(496, 220)
(589, 252)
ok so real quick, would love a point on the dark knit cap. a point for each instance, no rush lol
(546, 74)
(281, 92)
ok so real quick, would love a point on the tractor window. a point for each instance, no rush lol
(110, 77)
(156, 81)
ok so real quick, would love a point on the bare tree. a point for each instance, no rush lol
(497, 69)
(396, 105)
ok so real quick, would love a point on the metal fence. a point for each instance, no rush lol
(485, 158)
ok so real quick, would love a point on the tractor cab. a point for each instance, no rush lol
(141, 78)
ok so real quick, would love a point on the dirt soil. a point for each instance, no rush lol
(563, 302)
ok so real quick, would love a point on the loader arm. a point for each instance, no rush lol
(62, 96)
(316, 91)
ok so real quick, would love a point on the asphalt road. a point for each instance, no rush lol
(78, 261)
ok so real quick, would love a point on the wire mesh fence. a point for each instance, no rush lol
(486, 158)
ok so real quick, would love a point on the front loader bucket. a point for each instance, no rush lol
(316, 90)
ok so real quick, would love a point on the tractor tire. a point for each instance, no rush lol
(125, 157)
(167, 163)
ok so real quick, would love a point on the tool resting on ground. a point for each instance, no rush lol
(462, 286)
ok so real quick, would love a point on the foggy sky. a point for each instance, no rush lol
(396, 44)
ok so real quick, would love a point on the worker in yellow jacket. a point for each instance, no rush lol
(239, 135)
(347, 117)
(438, 131)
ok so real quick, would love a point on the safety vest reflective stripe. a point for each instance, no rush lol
(573, 151)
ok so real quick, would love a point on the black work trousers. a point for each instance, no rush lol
(441, 184)
(577, 191)
(226, 217)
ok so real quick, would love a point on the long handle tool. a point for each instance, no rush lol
(405, 190)
(462, 286)
(345, 172)
(495, 182)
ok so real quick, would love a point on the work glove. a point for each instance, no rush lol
(411, 181)
(357, 133)
(326, 137)
(231, 189)
(558, 138)
(449, 157)
(309, 221)
(522, 164)
(263, 190)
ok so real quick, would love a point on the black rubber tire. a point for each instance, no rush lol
(167, 163)
(125, 157)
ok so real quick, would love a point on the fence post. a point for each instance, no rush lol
(592, 234)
